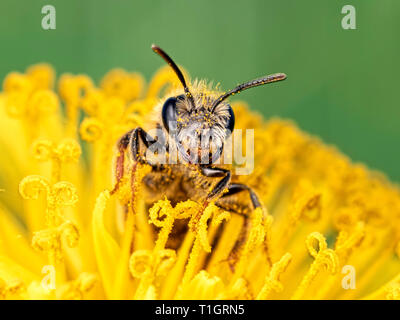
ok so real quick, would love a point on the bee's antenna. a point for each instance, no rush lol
(250, 84)
(176, 69)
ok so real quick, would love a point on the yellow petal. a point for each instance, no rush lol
(106, 248)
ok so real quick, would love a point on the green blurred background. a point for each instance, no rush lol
(342, 85)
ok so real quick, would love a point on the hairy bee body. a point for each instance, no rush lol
(184, 145)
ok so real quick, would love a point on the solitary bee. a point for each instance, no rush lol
(192, 125)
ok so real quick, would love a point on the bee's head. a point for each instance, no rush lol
(199, 130)
(200, 123)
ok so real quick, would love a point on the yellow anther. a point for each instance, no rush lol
(144, 263)
(28, 101)
(322, 246)
(112, 111)
(164, 261)
(91, 129)
(322, 255)
(32, 186)
(42, 102)
(272, 282)
(186, 209)
(220, 216)
(41, 75)
(15, 104)
(147, 265)
(306, 202)
(70, 233)
(49, 240)
(268, 220)
(323, 258)
(162, 215)
(161, 212)
(348, 240)
(346, 218)
(257, 231)
(17, 82)
(140, 263)
(119, 83)
(255, 238)
(92, 101)
(64, 194)
(136, 110)
(66, 88)
(202, 227)
(60, 194)
(72, 90)
(43, 150)
(193, 260)
(66, 151)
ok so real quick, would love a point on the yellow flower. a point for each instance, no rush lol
(329, 228)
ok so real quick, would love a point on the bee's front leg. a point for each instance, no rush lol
(133, 138)
(120, 161)
(216, 173)
(233, 188)
(140, 135)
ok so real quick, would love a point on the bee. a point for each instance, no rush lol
(193, 125)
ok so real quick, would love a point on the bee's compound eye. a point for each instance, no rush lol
(169, 112)
(230, 125)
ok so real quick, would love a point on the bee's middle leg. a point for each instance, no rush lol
(235, 188)
(215, 192)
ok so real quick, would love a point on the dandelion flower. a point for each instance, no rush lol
(328, 228)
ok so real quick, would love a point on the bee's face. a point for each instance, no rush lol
(199, 132)
(201, 121)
